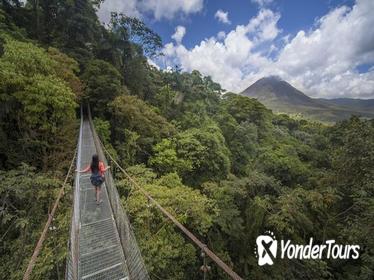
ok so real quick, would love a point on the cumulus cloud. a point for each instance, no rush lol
(159, 9)
(324, 60)
(128, 7)
(262, 3)
(321, 61)
(231, 56)
(180, 31)
(152, 63)
(222, 16)
(221, 35)
(169, 8)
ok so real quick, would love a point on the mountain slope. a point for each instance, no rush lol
(362, 105)
(282, 97)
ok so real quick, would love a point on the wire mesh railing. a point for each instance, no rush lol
(73, 243)
(134, 259)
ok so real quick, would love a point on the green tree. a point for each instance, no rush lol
(39, 107)
(162, 244)
(205, 148)
(165, 99)
(283, 163)
(135, 124)
(241, 139)
(244, 109)
(137, 32)
(165, 159)
(26, 196)
(353, 176)
(103, 85)
(103, 130)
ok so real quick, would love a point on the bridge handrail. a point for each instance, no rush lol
(134, 259)
(72, 267)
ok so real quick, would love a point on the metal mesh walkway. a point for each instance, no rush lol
(102, 244)
(100, 250)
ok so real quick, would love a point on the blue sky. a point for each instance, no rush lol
(323, 47)
(296, 15)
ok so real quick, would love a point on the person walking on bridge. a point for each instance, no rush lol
(97, 169)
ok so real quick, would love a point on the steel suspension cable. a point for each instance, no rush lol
(189, 234)
(43, 236)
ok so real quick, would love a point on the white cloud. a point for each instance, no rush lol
(169, 8)
(152, 63)
(262, 3)
(222, 16)
(180, 31)
(324, 60)
(321, 61)
(221, 35)
(159, 9)
(128, 7)
(228, 60)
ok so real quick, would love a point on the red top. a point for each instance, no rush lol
(101, 168)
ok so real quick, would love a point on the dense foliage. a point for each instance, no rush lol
(223, 164)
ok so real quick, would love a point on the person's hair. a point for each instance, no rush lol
(95, 164)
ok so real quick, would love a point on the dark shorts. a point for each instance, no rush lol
(97, 180)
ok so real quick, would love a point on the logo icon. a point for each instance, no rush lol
(266, 248)
(267, 245)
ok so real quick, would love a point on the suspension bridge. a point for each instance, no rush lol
(102, 244)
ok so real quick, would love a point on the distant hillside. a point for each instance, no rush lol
(362, 105)
(282, 97)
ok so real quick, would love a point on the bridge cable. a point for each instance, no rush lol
(43, 236)
(189, 234)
